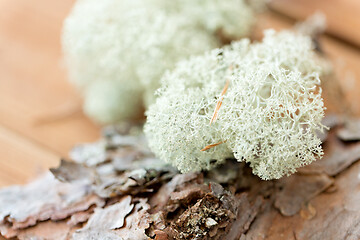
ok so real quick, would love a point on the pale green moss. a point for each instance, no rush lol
(268, 117)
(130, 44)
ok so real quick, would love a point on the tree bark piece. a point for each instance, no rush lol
(124, 197)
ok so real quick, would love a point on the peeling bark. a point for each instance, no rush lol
(116, 189)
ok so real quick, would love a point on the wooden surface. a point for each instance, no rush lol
(343, 16)
(39, 111)
(34, 90)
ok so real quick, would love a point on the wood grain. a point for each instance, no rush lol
(33, 82)
(22, 158)
(33, 87)
(342, 15)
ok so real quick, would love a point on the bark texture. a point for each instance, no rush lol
(116, 189)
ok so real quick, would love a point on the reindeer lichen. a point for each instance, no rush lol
(130, 44)
(268, 115)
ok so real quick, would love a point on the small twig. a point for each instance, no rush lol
(212, 145)
(218, 104)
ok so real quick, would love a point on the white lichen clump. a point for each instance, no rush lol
(129, 44)
(268, 116)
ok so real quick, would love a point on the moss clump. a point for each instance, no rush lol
(268, 116)
(129, 44)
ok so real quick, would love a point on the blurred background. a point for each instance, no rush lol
(40, 112)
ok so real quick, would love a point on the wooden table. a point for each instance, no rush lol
(40, 117)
